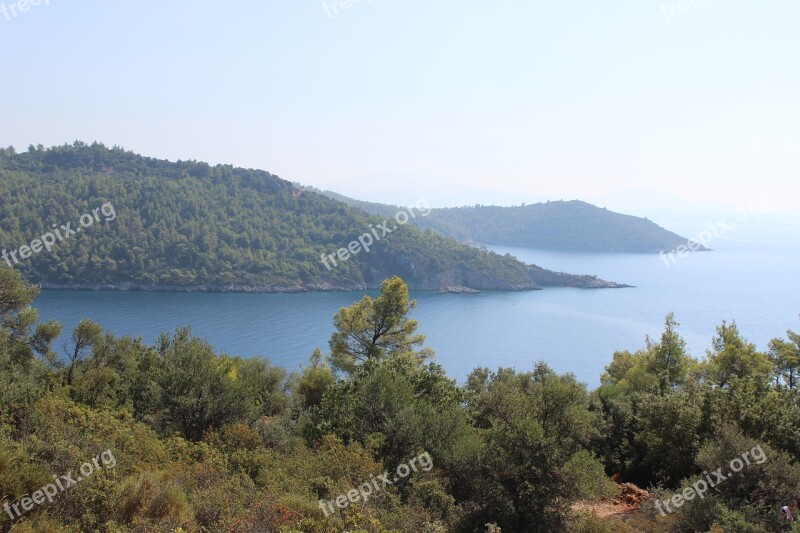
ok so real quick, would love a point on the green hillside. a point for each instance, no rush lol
(187, 225)
(572, 225)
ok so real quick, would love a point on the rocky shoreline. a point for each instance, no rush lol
(568, 280)
(458, 289)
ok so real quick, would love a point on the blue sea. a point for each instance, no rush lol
(573, 330)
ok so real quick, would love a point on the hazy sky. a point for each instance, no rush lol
(626, 103)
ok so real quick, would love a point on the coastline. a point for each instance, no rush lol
(297, 288)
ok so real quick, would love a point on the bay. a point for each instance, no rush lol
(573, 330)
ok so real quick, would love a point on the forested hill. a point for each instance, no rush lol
(572, 225)
(191, 226)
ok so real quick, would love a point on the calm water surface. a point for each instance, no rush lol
(573, 330)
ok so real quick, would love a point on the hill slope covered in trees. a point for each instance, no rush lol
(572, 225)
(191, 226)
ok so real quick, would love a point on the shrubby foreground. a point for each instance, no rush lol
(204, 441)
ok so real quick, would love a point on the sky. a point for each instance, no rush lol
(635, 105)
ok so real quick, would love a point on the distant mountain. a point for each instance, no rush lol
(191, 226)
(572, 225)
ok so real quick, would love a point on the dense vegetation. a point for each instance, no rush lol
(210, 442)
(572, 225)
(188, 225)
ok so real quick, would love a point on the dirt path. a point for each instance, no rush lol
(627, 503)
